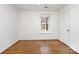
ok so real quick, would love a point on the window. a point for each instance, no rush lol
(44, 22)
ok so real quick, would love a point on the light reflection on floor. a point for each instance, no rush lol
(45, 49)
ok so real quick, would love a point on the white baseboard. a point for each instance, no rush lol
(39, 39)
(72, 47)
(8, 46)
(75, 49)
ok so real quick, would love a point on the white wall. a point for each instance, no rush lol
(8, 26)
(75, 27)
(64, 25)
(73, 11)
(30, 25)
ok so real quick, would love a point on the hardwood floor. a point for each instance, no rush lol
(39, 47)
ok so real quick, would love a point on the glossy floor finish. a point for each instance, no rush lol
(39, 47)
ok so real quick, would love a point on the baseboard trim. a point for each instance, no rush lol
(9, 46)
(73, 48)
(39, 39)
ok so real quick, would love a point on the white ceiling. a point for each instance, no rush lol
(38, 7)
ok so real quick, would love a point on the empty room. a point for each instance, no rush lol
(39, 28)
